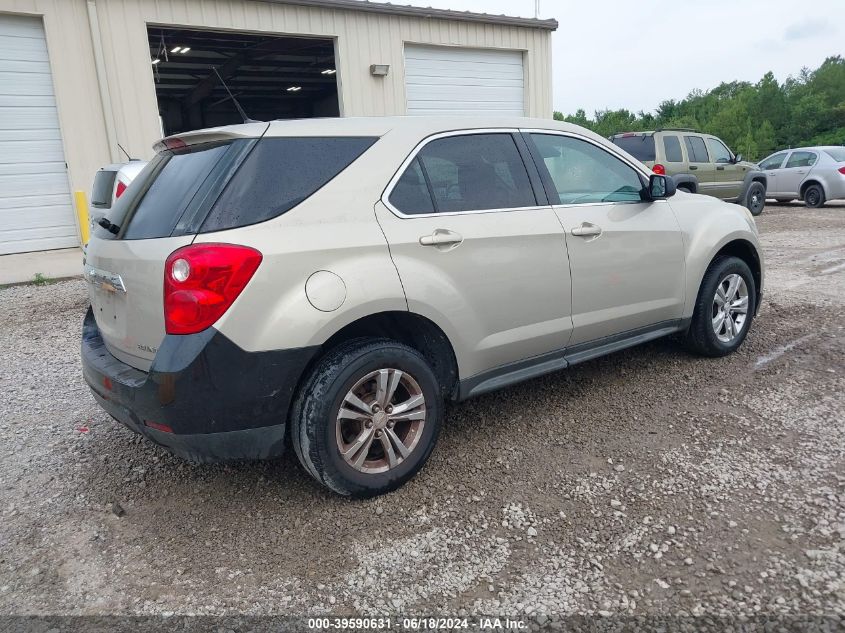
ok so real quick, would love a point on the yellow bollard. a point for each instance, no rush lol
(82, 215)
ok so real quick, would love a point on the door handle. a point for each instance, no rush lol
(693, 167)
(586, 230)
(720, 169)
(441, 237)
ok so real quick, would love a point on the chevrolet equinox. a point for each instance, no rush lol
(338, 280)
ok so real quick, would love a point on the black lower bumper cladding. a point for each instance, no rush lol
(204, 398)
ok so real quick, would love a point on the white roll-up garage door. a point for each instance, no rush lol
(454, 80)
(36, 211)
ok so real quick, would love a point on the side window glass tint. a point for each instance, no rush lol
(410, 194)
(672, 149)
(696, 149)
(476, 172)
(801, 159)
(773, 162)
(718, 151)
(584, 173)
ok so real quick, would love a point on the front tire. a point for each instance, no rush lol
(724, 308)
(814, 196)
(367, 417)
(755, 198)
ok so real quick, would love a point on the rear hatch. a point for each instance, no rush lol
(640, 145)
(161, 211)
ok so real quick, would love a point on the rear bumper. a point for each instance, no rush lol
(220, 402)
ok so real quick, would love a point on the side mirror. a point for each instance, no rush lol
(738, 158)
(660, 187)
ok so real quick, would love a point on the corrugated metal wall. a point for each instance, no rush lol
(362, 38)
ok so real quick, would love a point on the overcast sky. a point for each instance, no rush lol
(636, 53)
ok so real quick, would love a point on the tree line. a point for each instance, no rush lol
(754, 119)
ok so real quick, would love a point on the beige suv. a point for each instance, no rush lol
(698, 163)
(336, 281)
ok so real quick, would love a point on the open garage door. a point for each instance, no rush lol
(36, 211)
(272, 77)
(453, 80)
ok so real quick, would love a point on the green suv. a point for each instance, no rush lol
(698, 163)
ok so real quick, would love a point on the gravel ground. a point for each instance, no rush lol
(650, 482)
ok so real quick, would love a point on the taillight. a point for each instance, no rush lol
(121, 187)
(659, 169)
(202, 281)
(842, 170)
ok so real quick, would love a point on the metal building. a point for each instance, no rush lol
(79, 78)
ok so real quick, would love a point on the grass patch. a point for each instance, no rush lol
(41, 280)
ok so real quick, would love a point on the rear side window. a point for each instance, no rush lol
(801, 159)
(696, 149)
(103, 187)
(177, 177)
(836, 153)
(410, 194)
(475, 172)
(279, 174)
(672, 149)
(640, 146)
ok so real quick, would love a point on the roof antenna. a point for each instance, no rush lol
(125, 152)
(235, 101)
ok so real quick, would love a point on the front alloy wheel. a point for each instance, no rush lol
(730, 308)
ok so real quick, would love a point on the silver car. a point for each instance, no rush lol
(812, 174)
(337, 281)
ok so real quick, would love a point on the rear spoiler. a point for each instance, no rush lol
(212, 135)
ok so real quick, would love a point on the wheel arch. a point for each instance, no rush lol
(406, 327)
(806, 185)
(747, 252)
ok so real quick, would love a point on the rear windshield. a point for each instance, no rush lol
(837, 154)
(639, 146)
(103, 187)
(279, 174)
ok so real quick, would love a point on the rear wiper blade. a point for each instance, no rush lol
(108, 226)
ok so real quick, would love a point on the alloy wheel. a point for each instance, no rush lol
(380, 421)
(730, 308)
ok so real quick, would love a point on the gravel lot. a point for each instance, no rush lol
(650, 482)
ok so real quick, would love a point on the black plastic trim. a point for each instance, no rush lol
(519, 371)
(203, 386)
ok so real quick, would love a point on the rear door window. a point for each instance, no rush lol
(473, 172)
(410, 195)
(640, 146)
(672, 148)
(280, 173)
(696, 149)
(801, 159)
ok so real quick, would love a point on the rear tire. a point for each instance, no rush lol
(755, 198)
(814, 196)
(727, 282)
(344, 429)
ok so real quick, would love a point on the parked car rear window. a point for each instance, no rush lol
(280, 173)
(473, 172)
(801, 159)
(837, 154)
(696, 149)
(672, 149)
(103, 188)
(640, 146)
